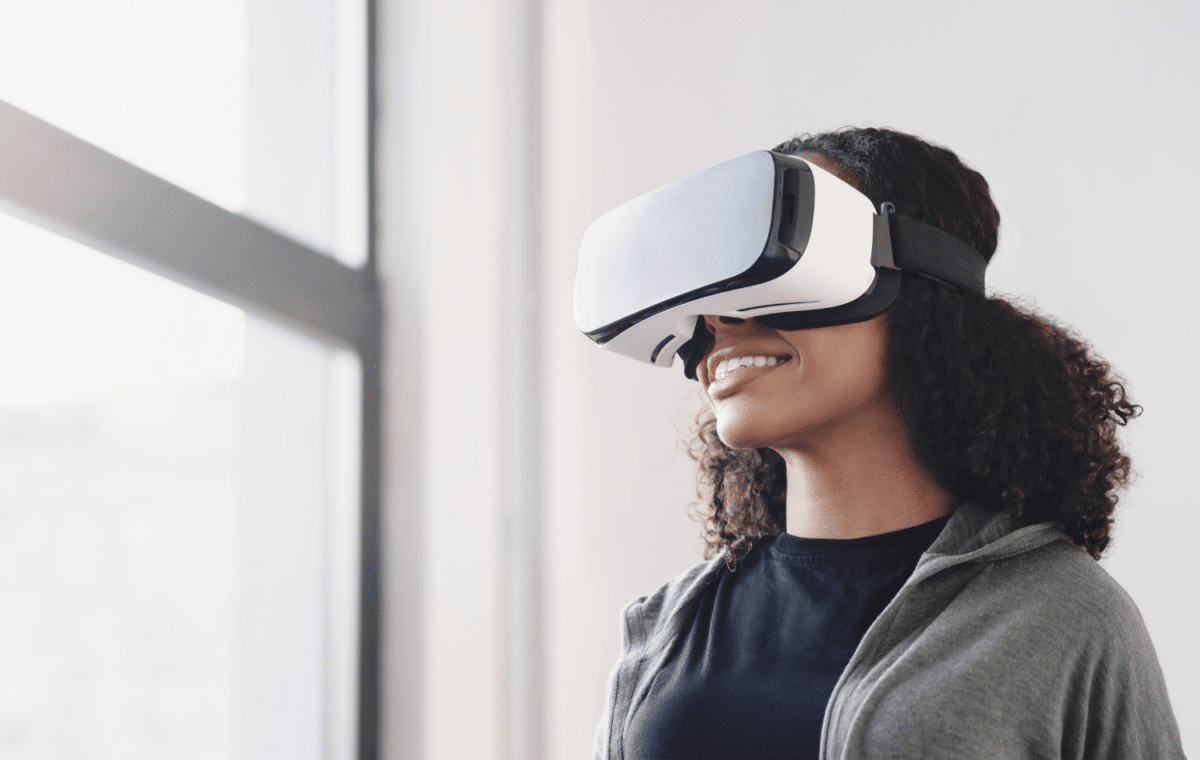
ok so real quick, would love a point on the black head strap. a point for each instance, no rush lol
(926, 250)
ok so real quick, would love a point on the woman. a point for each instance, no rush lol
(902, 517)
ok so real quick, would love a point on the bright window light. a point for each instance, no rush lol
(160, 84)
(77, 325)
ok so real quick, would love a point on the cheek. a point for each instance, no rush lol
(858, 365)
(863, 351)
(847, 358)
(838, 369)
(849, 371)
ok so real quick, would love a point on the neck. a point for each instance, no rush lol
(860, 478)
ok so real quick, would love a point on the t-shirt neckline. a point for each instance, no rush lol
(906, 541)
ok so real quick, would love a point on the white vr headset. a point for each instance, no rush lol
(764, 236)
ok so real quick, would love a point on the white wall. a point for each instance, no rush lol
(1080, 119)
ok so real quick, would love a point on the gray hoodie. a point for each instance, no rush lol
(1007, 641)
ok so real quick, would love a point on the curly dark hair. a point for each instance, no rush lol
(1007, 408)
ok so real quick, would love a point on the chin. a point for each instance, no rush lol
(740, 435)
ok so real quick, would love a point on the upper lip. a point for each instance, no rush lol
(729, 352)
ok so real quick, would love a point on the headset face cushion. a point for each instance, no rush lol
(880, 298)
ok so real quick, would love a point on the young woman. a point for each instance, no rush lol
(902, 518)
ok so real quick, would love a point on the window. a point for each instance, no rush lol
(189, 321)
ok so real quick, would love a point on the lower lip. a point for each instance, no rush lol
(733, 382)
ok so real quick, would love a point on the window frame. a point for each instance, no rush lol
(72, 188)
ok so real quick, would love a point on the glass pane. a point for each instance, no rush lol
(161, 84)
(307, 150)
(178, 519)
(298, 581)
(256, 105)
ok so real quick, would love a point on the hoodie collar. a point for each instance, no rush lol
(974, 534)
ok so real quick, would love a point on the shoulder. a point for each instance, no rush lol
(1047, 645)
(648, 619)
(1063, 582)
(1052, 603)
(1070, 616)
(1118, 688)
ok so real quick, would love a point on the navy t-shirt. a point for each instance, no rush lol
(753, 674)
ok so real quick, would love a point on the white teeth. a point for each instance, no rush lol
(729, 365)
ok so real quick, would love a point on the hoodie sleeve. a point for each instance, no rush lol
(1121, 708)
(631, 618)
(647, 623)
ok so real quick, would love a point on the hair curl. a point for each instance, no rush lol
(1009, 408)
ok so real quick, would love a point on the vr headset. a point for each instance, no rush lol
(766, 236)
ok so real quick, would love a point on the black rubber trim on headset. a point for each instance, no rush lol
(794, 191)
(659, 347)
(926, 250)
(879, 298)
(695, 349)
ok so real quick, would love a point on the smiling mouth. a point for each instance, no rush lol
(731, 374)
(729, 366)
